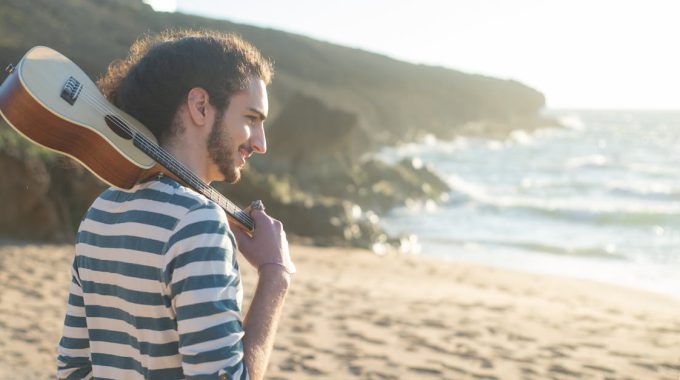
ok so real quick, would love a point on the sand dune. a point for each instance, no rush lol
(351, 314)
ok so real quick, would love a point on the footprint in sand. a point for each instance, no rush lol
(425, 371)
(434, 323)
(565, 371)
(383, 322)
(625, 355)
(598, 368)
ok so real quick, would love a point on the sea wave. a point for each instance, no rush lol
(593, 160)
(653, 169)
(596, 196)
(568, 208)
(648, 190)
(572, 122)
(608, 251)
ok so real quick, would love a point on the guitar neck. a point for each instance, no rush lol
(166, 160)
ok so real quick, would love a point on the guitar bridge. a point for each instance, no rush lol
(71, 90)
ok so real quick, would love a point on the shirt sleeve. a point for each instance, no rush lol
(203, 282)
(73, 360)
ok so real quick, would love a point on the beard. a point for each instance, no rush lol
(220, 151)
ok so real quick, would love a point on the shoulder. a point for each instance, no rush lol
(164, 195)
(201, 220)
(184, 197)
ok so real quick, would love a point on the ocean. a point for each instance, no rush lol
(598, 198)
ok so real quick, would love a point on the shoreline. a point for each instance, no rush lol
(353, 314)
(599, 271)
(557, 201)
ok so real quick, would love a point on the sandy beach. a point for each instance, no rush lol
(352, 314)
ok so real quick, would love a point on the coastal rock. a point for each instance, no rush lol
(317, 148)
(27, 212)
(43, 195)
(318, 219)
(381, 186)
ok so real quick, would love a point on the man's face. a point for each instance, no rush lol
(238, 132)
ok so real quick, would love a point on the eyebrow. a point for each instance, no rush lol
(259, 113)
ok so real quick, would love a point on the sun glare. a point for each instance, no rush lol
(579, 53)
(162, 5)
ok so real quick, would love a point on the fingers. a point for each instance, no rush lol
(243, 237)
(236, 225)
(268, 244)
(261, 218)
(243, 240)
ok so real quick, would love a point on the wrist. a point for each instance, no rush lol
(275, 273)
(275, 264)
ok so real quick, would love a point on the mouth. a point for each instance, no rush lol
(244, 153)
(246, 150)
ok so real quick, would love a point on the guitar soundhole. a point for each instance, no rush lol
(118, 126)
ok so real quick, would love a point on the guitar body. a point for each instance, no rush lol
(31, 102)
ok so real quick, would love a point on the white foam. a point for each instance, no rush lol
(586, 161)
(572, 122)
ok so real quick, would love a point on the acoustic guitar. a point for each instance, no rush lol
(49, 100)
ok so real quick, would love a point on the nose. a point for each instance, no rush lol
(258, 140)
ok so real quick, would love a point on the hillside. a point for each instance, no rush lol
(387, 95)
(329, 105)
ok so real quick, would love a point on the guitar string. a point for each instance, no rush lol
(101, 106)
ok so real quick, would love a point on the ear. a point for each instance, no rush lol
(198, 102)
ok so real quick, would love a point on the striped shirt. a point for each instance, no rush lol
(155, 290)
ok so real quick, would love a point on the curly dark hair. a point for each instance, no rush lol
(160, 70)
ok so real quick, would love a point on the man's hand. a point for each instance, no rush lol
(268, 244)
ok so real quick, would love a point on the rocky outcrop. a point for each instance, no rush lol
(43, 197)
(27, 212)
(316, 179)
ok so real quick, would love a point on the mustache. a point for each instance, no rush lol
(248, 148)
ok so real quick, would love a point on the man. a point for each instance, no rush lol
(156, 290)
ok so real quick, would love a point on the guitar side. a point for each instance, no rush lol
(30, 102)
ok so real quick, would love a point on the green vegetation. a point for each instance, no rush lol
(11, 141)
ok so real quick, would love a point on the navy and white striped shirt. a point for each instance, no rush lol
(156, 290)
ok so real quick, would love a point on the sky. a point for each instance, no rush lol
(595, 54)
